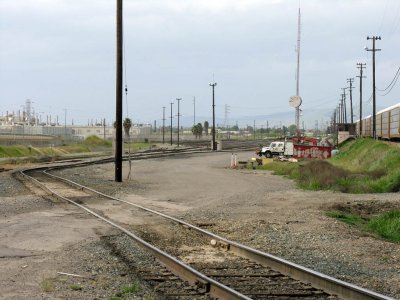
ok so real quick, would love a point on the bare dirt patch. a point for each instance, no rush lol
(366, 209)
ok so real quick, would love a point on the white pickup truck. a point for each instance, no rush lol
(277, 149)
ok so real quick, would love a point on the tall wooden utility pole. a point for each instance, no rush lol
(297, 114)
(344, 105)
(350, 81)
(374, 38)
(194, 110)
(178, 115)
(361, 66)
(163, 125)
(213, 84)
(171, 121)
(119, 91)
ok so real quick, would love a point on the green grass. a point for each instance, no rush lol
(348, 218)
(132, 288)
(30, 151)
(386, 225)
(138, 146)
(91, 144)
(94, 140)
(362, 166)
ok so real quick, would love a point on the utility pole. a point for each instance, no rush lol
(297, 114)
(171, 121)
(337, 125)
(254, 129)
(373, 38)
(361, 66)
(213, 84)
(178, 115)
(344, 105)
(194, 110)
(118, 106)
(104, 128)
(334, 122)
(163, 125)
(65, 123)
(350, 81)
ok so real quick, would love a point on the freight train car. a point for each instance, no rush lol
(387, 124)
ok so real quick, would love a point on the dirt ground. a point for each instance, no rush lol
(39, 238)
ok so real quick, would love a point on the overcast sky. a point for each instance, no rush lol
(61, 55)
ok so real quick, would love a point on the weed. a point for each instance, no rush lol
(362, 166)
(94, 140)
(319, 174)
(75, 287)
(132, 288)
(47, 285)
(348, 218)
(386, 225)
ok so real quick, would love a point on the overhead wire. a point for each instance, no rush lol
(125, 73)
(383, 17)
(391, 84)
(129, 176)
(396, 21)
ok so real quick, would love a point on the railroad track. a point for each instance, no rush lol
(213, 266)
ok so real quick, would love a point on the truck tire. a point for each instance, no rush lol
(268, 154)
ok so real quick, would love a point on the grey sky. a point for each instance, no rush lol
(61, 54)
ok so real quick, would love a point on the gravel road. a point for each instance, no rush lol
(252, 207)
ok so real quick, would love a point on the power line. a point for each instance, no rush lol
(396, 76)
(390, 88)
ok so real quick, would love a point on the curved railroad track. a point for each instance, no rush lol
(213, 266)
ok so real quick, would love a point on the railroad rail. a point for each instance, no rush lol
(242, 273)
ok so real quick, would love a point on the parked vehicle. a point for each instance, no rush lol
(277, 149)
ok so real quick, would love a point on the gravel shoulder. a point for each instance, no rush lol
(255, 208)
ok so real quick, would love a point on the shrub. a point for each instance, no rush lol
(94, 140)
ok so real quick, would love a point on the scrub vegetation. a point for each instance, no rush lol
(91, 144)
(385, 224)
(362, 166)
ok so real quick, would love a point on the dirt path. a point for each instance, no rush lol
(39, 238)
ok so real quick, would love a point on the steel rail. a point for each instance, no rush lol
(185, 272)
(327, 283)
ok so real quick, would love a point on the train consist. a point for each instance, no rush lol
(387, 124)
